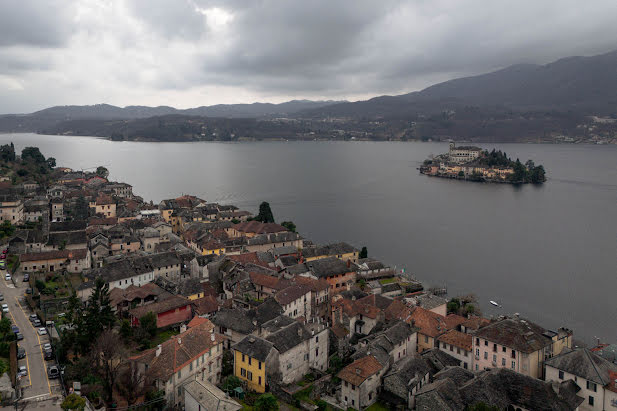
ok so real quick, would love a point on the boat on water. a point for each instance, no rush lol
(496, 304)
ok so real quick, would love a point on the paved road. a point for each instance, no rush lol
(36, 386)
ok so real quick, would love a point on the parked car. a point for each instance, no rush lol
(28, 290)
(14, 328)
(47, 346)
(48, 354)
(7, 277)
(3, 265)
(19, 336)
(33, 317)
(5, 308)
(42, 331)
(21, 352)
(36, 323)
(53, 371)
(1, 297)
(26, 277)
(22, 371)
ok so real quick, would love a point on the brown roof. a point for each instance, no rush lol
(475, 322)
(196, 321)
(55, 255)
(158, 307)
(453, 320)
(263, 279)
(521, 335)
(291, 293)
(257, 227)
(339, 330)
(205, 305)
(397, 310)
(429, 323)
(103, 221)
(353, 308)
(313, 284)
(457, 339)
(104, 199)
(179, 351)
(360, 370)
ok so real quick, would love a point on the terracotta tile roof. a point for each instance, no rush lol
(457, 339)
(453, 321)
(103, 221)
(397, 310)
(429, 323)
(205, 305)
(264, 280)
(313, 284)
(160, 306)
(291, 293)
(104, 199)
(339, 330)
(353, 308)
(358, 371)
(179, 350)
(55, 255)
(257, 227)
(475, 323)
(196, 321)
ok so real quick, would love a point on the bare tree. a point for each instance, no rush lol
(108, 354)
(132, 383)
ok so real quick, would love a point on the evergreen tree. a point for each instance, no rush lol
(363, 253)
(289, 225)
(265, 213)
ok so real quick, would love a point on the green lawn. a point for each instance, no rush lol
(387, 281)
(378, 407)
(162, 337)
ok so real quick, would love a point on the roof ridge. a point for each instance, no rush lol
(593, 363)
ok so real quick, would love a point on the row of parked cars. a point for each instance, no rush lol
(48, 353)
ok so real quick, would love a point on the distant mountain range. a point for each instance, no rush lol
(581, 84)
(524, 102)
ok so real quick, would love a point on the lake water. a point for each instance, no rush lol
(547, 252)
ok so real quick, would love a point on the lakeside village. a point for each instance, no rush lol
(475, 164)
(194, 305)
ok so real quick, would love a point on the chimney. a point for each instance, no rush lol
(159, 350)
(179, 340)
(182, 328)
(212, 337)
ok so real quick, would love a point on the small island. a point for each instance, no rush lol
(475, 164)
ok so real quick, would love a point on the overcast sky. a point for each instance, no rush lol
(188, 53)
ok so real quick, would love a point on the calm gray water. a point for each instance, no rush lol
(547, 252)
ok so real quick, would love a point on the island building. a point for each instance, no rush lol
(463, 154)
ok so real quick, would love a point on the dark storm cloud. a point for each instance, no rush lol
(34, 23)
(195, 52)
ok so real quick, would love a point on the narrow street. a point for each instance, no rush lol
(37, 388)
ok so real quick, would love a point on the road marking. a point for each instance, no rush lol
(36, 396)
(27, 362)
(40, 345)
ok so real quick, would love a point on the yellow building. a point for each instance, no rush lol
(251, 358)
(104, 205)
(342, 251)
(209, 246)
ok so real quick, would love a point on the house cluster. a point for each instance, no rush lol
(282, 308)
(460, 162)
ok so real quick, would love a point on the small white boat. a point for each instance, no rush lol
(495, 303)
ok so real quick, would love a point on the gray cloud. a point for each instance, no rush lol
(194, 52)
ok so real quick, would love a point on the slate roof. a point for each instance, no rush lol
(430, 301)
(266, 311)
(291, 294)
(258, 227)
(178, 351)
(327, 267)
(376, 300)
(457, 374)
(437, 360)
(289, 337)
(439, 395)
(277, 323)
(235, 319)
(329, 249)
(272, 238)
(585, 364)
(502, 387)
(475, 323)
(359, 370)
(254, 347)
(297, 269)
(210, 397)
(55, 255)
(608, 351)
(67, 238)
(404, 375)
(519, 334)
(76, 225)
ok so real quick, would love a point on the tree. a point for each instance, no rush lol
(6, 229)
(454, 306)
(266, 402)
(107, 356)
(5, 326)
(363, 253)
(520, 172)
(132, 383)
(289, 225)
(102, 172)
(148, 323)
(126, 331)
(232, 382)
(32, 154)
(51, 162)
(81, 208)
(7, 152)
(480, 406)
(265, 213)
(73, 402)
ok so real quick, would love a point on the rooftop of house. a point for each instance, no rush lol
(297, 269)
(67, 238)
(280, 251)
(254, 347)
(257, 227)
(439, 395)
(521, 335)
(179, 351)
(277, 323)
(159, 307)
(430, 301)
(429, 323)
(437, 360)
(205, 305)
(235, 319)
(397, 310)
(584, 363)
(330, 266)
(405, 375)
(263, 280)
(55, 255)
(313, 284)
(289, 337)
(291, 294)
(608, 351)
(75, 225)
(457, 339)
(475, 323)
(359, 370)
(457, 374)
(185, 287)
(271, 238)
(333, 249)
(132, 292)
(210, 397)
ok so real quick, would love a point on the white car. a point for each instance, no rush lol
(42, 331)
(22, 371)
(47, 346)
(5, 308)
(7, 277)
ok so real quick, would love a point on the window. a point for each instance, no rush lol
(353, 387)
(458, 350)
(191, 366)
(243, 358)
(249, 375)
(485, 343)
(513, 364)
(250, 360)
(426, 338)
(478, 352)
(494, 358)
(370, 396)
(346, 386)
(485, 355)
(503, 362)
(513, 354)
(591, 386)
(316, 351)
(561, 375)
(494, 347)
(590, 400)
(179, 374)
(243, 372)
(503, 349)
(259, 364)
(259, 381)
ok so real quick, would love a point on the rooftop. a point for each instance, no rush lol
(254, 347)
(359, 370)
